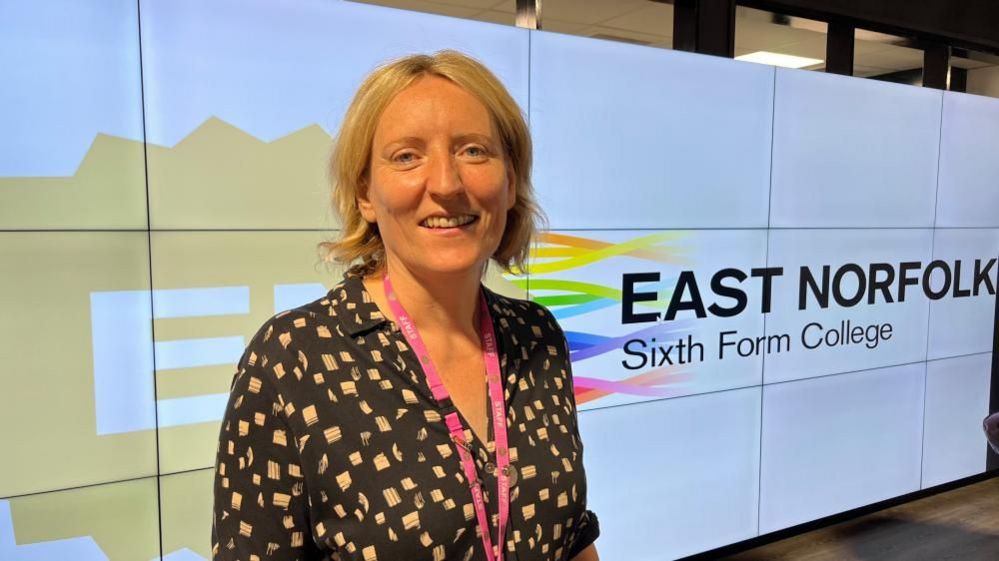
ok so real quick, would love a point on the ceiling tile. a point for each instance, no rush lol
(861, 46)
(426, 7)
(809, 46)
(761, 36)
(493, 16)
(614, 34)
(508, 6)
(968, 63)
(588, 11)
(865, 71)
(653, 19)
(892, 58)
(477, 4)
(557, 26)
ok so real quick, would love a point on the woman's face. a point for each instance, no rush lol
(439, 185)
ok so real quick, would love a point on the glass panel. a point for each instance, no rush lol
(674, 477)
(115, 522)
(648, 156)
(839, 442)
(71, 116)
(968, 163)
(77, 353)
(957, 399)
(186, 508)
(853, 153)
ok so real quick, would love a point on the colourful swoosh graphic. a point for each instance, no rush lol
(567, 298)
(597, 345)
(654, 383)
(565, 252)
(660, 382)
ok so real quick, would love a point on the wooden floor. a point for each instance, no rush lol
(958, 525)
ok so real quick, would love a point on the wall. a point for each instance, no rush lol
(157, 205)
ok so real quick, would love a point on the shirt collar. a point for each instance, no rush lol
(352, 304)
(358, 313)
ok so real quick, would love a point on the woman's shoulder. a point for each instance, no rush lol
(305, 319)
(291, 348)
(298, 330)
(342, 312)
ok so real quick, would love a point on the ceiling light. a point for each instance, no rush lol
(777, 59)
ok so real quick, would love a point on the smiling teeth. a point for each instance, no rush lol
(449, 222)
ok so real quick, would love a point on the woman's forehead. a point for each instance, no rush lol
(432, 103)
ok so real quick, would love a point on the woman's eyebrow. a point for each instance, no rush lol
(476, 137)
(455, 140)
(405, 140)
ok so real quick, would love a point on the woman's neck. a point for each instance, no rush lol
(440, 304)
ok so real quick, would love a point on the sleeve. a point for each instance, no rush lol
(588, 528)
(588, 532)
(260, 503)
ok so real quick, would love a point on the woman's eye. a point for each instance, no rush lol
(475, 151)
(405, 157)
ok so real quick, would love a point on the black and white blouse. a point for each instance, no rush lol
(333, 447)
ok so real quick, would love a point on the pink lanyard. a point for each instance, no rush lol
(503, 469)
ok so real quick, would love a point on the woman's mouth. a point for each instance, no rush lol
(442, 222)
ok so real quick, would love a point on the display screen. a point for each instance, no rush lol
(778, 287)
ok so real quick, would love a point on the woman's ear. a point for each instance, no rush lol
(364, 203)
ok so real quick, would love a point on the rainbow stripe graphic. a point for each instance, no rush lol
(567, 298)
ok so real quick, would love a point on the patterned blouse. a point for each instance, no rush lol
(333, 447)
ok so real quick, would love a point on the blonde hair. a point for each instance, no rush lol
(352, 155)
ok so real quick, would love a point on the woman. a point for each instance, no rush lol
(411, 413)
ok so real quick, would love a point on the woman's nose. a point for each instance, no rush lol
(444, 178)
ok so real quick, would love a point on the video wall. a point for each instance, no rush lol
(784, 279)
